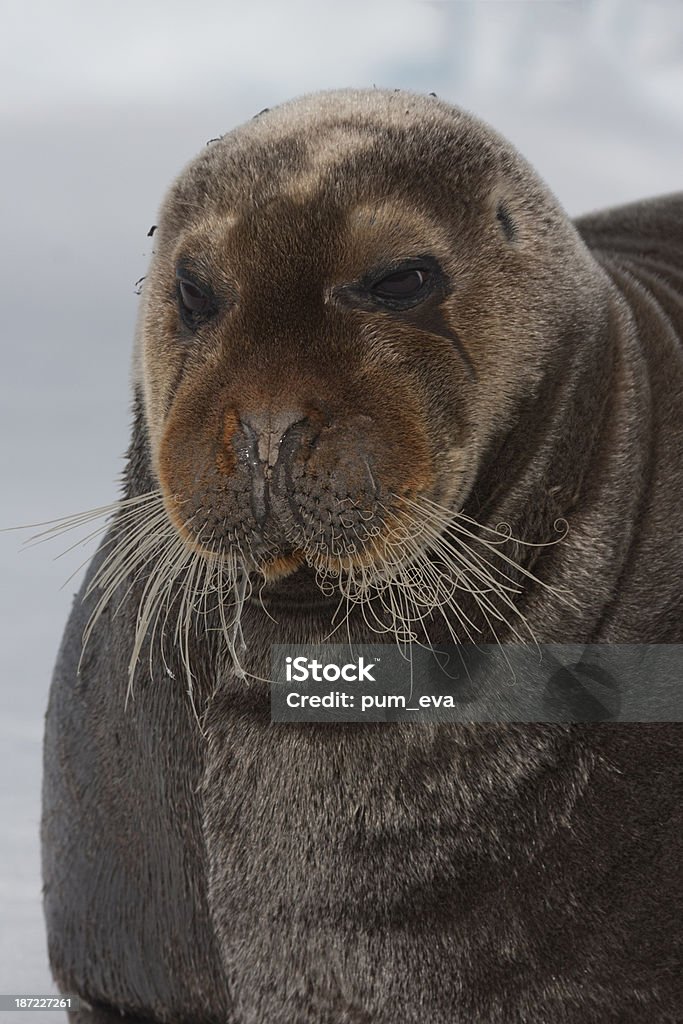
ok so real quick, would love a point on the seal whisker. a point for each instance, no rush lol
(171, 563)
(469, 562)
(174, 557)
(120, 564)
(453, 530)
(183, 621)
(452, 522)
(128, 567)
(408, 592)
(128, 548)
(167, 597)
(63, 524)
(441, 601)
(430, 594)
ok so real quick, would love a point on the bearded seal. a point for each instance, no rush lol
(368, 325)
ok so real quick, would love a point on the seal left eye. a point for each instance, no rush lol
(193, 299)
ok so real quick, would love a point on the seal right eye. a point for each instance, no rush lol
(405, 284)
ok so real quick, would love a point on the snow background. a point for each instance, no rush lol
(100, 106)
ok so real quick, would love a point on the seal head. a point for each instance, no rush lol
(351, 299)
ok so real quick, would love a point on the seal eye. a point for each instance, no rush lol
(404, 284)
(194, 300)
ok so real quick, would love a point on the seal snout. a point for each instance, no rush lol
(308, 475)
(290, 475)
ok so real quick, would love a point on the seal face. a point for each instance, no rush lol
(261, 443)
(370, 335)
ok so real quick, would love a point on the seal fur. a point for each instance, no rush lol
(247, 872)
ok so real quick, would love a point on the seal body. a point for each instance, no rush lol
(366, 323)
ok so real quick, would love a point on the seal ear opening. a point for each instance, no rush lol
(506, 222)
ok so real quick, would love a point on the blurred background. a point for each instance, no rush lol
(101, 104)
